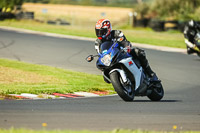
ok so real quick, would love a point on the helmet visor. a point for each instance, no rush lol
(101, 32)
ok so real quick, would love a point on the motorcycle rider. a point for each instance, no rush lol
(190, 31)
(104, 33)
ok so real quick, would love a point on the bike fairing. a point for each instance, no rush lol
(107, 55)
(125, 73)
(109, 52)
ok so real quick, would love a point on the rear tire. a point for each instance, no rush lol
(125, 91)
(157, 92)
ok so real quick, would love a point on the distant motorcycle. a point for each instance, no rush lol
(196, 47)
(125, 73)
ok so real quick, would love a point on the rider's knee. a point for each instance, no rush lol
(140, 53)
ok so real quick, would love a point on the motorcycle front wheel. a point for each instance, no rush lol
(124, 90)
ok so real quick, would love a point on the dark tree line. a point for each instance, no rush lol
(161, 9)
(171, 9)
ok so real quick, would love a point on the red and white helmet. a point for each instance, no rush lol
(103, 28)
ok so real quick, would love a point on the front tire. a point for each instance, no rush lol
(124, 90)
(157, 92)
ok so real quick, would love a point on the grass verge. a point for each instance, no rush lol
(19, 77)
(138, 35)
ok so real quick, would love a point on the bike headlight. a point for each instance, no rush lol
(106, 60)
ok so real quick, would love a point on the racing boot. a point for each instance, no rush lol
(152, 74)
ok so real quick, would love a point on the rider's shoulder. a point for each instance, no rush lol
(117, 33)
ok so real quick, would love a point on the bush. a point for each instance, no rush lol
(142, 9)
(196, 15)
(10, 4)
(175, 9)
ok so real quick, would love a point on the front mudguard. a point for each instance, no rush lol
(122, 74)
(106, 75)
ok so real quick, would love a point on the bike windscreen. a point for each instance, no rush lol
(105, 46)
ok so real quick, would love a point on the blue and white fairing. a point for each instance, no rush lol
(108, 51)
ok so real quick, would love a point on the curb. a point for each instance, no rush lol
(29, 96)
(160, 48)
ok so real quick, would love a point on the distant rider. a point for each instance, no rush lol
(104, 33)
(190, 31)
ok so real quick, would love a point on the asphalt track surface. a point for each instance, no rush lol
(179, 74)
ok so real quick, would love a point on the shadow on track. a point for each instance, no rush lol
(164, 101)
(197, 59)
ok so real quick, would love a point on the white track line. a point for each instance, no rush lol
(86, 94)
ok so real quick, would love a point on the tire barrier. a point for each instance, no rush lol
(28, 15)
(24, 15)
(6, 15)
(58, 22)
(159, 25)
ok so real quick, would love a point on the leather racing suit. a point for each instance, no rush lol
(117, 35)
(189, 34)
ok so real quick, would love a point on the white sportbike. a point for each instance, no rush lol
(126, 73)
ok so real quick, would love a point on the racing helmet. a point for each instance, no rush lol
(191, 23)
(103, 28)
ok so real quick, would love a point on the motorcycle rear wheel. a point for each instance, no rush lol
(124, 90)
(198, 54)
(157, 92)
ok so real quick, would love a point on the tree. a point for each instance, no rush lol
(142, 9)
(10, 4)
(175, 9)
(139, 1)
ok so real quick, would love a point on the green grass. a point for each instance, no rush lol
(156, 38)
(12, 130)
(37, 26)
(19, 77)
(138, 35)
